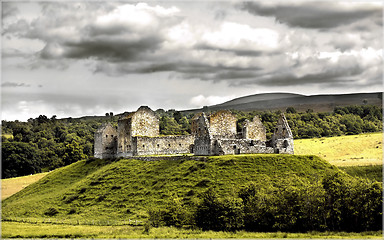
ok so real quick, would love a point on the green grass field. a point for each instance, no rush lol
(28, 230)
(126, 189)
(353, 150)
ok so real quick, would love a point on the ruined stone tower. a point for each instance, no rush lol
(143, 122)
(282, 139)
(105, 141)
(254, 130)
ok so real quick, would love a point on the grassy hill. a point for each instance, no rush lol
(280, 101)
(96, 190)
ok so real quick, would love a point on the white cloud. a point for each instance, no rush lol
(201, 100)
(240, 36)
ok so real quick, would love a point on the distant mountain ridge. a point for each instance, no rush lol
(280, 101)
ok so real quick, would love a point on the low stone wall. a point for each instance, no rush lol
(173, 158)
(241, 146)
(163, 145)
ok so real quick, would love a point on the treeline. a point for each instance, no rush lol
(342, 121)
(44, 143)
(336, 203)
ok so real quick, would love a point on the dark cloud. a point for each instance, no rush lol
(8, 9)
(14, 85)
(319, 15)
(119, 39)
(346, 71)
(87, 31)
(107, 49)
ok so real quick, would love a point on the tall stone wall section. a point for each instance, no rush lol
(223, 124)
(145, 123)
(282, 139)
(254, 130)
(124, 139)
(203, 137)
(105, 141)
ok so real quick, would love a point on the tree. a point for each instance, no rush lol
(177, 116)
(73, 153)
(219, 215)
(19, 159)
(290, 110)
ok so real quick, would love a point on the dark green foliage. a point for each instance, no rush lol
(219, 214)
(175, 214)
(352, 204)
(54, 143)
(51, 212)
(290, 110)
(19, 158)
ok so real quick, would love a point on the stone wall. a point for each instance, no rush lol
(223, 124)
(145, 123)
(105, 141)
(254, 130)
(284, 146)
(241, 146)
(124, 139)
(138, 134)
(203, 137)
(163, 145)
(282, 139)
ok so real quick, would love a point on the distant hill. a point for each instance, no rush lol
(125, 189)
(280, 101)
(276, 101)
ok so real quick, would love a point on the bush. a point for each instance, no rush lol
(51, 212)
(219, 215)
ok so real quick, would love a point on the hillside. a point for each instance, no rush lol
(280, 101)
(351, 150)
(126, 189)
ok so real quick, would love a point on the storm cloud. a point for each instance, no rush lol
(316, 14)
(231, 48)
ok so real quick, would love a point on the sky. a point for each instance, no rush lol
(73, 59)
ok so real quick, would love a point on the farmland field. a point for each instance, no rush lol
(11, 186)
(352, 150)
(28, 230)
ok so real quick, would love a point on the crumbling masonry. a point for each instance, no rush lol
(138, 134)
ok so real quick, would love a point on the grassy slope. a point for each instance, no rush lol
(11, 186)
(353, 150)
(373, 172)
(102, 190)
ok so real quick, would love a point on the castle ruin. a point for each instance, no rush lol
(138, 134)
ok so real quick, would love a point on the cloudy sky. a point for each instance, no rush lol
(89, 58)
